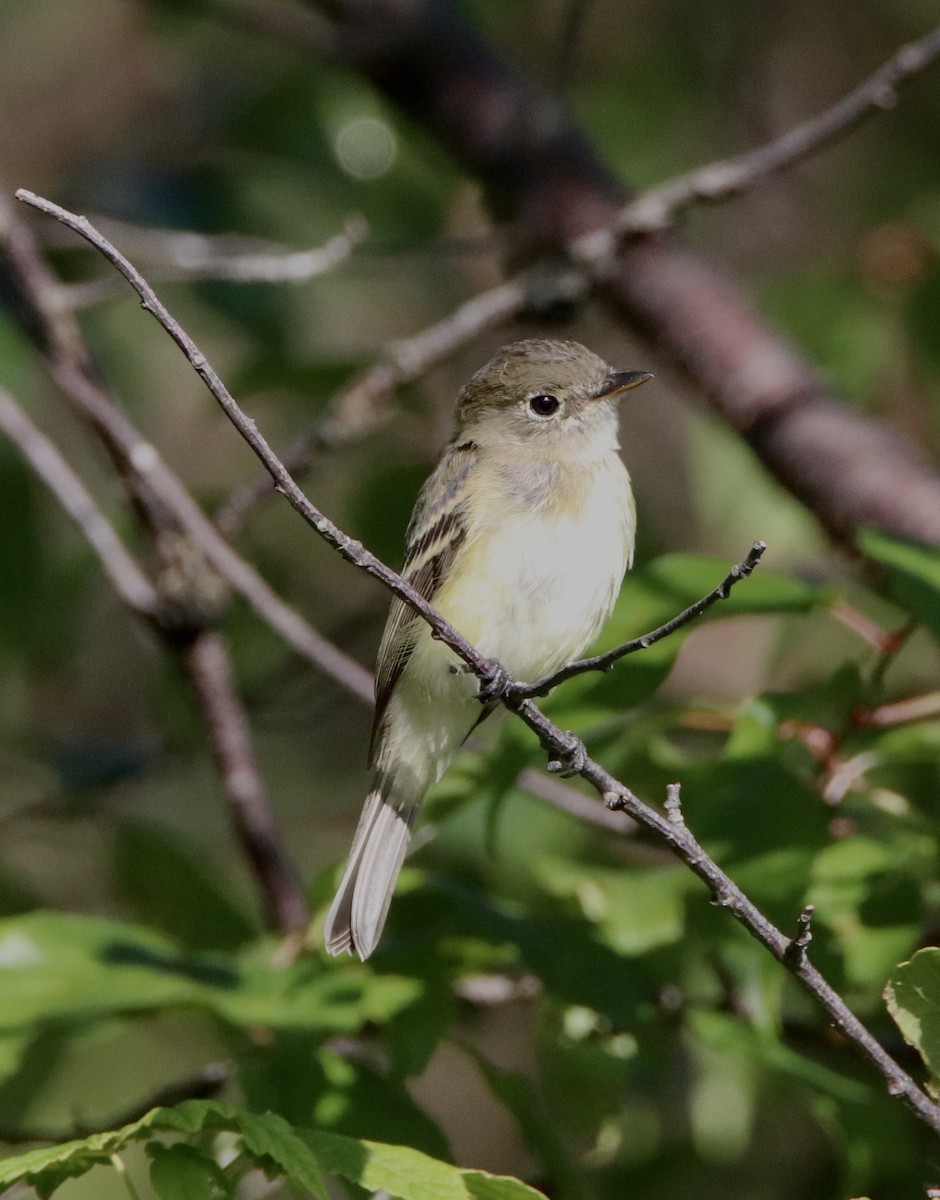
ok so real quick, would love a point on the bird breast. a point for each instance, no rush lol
(543, 562)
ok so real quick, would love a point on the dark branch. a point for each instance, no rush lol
(604, 662)
(848, 469)
(209, 668)
(560, 746)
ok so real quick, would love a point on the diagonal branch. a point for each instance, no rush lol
(659, 207)
(604, 662)
(849, 470)
(670, 829)
(126, 577)
(182, 605)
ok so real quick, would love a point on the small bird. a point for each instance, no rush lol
(520, 538)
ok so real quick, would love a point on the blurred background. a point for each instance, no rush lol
(660, 1054)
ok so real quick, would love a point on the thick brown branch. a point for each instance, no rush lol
(848, 469)
(562, 747)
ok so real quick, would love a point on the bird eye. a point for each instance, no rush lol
(543, 406)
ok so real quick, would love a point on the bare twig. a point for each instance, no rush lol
(659, 207)
(861, 625)
(127, 578)
(209, 668)
(894, 643)
(800, 944)
(604, 662)
(901, 712)
(190, 257)
(352, 550)
(361, 407)
(560, 746)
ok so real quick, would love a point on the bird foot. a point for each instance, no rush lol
(568, 759)
(494, 684)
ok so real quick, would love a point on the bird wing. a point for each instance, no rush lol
(436, 531)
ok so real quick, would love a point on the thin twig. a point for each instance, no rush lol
(146, 471)
(604, 662)
(209, 667)
(560, 745)
(861, 625)
(440, 72)
(893, 645)
(126, 577)
(900, 712)
(187, 257)
(659, 207)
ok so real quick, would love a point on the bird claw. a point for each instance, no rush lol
(570, 759)
(494, 684)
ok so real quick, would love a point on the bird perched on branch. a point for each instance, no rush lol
(520, 538)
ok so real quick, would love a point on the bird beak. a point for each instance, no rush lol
(620, 381)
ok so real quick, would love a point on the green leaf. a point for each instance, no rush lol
(870, 900)
(913, 573)
(13, 1047)
(635, 910)
(409, 1174)
(268, 1141)
(182, 1172)
(271, 1144)
(913, 999)
(64, 967)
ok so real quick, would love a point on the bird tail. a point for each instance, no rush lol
(357, 915)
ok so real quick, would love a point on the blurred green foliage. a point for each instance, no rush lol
(551, 1000)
